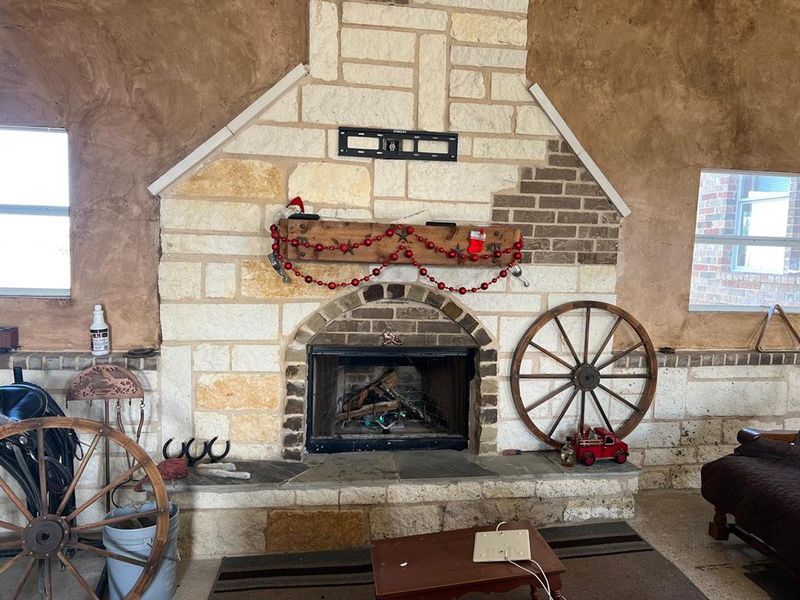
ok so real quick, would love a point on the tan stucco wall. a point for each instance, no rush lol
(657, 90)
(137, 84)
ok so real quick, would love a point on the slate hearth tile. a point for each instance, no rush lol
(521, 465)
(440, 464)
(351, 466)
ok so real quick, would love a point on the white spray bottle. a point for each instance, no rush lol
(101, 339)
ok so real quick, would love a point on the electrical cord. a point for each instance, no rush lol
(543, 581)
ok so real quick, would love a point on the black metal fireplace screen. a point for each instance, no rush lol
(388, 398)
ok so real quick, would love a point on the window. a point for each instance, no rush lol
(34, 212)
(747, 242)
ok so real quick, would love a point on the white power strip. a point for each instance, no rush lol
(501, 546)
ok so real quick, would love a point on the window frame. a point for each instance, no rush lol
(43, 210)
(739, 240)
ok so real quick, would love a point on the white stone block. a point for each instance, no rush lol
(607, 507)
(408, 493)
(363, 495)
(532, 120)
(464, 145)
(511, 331)
(513, 6)
(345, 214)
(491, 118)
(323, 39)
(486, 29)
(588, 486)
(432, 100)
(736, 398)
(176, 391)
(515, 149)
(545, 278)
(554, 300)
(654, 435)
(420, 211)
(475, 56)
(394, 16)
(504, 488)
(179, 280)
(390, 177)
(458, 181)
(284, 110)
(261, 358)
(202, 215)
(467, 84)
(189, 243)
(701, 432)
(271, 140)
(220, 280)
(598, 278)
(208, 425)
(368, 107)
(374, 44)
(211, 357)
(510, 87)
(383, 75)
(324, 183)
(295, 313)
(670, 397)
(682, 455)
(750, 372)
(496, 302)
(731, 427)
(207, 322)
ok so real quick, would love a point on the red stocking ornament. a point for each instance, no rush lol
(476, 241)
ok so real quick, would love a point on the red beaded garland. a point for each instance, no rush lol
(394, 256)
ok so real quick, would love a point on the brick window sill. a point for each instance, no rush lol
(73, 361)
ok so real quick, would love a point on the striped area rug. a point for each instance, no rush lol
(607, 560)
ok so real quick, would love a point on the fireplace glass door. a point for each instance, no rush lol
(388, 398)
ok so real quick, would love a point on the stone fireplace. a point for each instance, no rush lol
(436, 350)
(243, 352)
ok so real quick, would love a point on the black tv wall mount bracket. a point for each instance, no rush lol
(397, 144)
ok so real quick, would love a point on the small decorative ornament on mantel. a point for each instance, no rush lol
(387, 244)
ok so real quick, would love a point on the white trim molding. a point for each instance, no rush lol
(558, 121)
(215, 141)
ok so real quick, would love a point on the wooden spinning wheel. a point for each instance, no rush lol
(38, 539)
(549, 372)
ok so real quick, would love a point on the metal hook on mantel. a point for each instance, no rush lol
(516, 271)
(276, 264)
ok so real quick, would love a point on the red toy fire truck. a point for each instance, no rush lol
(596, 444)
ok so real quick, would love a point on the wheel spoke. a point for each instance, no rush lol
(114, 520)
(42, 473)
(583, 410)
(601, 411)
(48, 577)
(545, 376)
(616, 396)
(562, 413)
(11, 543)
(608, 339)
(627, 376)
(10, 526)
(586, 336)
(10, 563)
(623, 354)
(566, 339)
(112, 555)
(117, 482)
(24, 579)
(79, 473)
(78, 577)
(551, 355)
(541, 401)
(15, 500)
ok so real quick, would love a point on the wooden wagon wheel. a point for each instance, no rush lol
(44, 539)
(583, 368)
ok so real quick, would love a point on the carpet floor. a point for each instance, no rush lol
(607, 560)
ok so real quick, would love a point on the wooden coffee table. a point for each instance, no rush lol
(438, 566)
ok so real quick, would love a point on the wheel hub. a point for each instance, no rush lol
(586, 377)
(46, 535)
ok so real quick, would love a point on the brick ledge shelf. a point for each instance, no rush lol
(73, 361)
(711, 358)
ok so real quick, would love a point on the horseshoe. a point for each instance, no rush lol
(165, 449)
(192, 459)
(217, 457)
